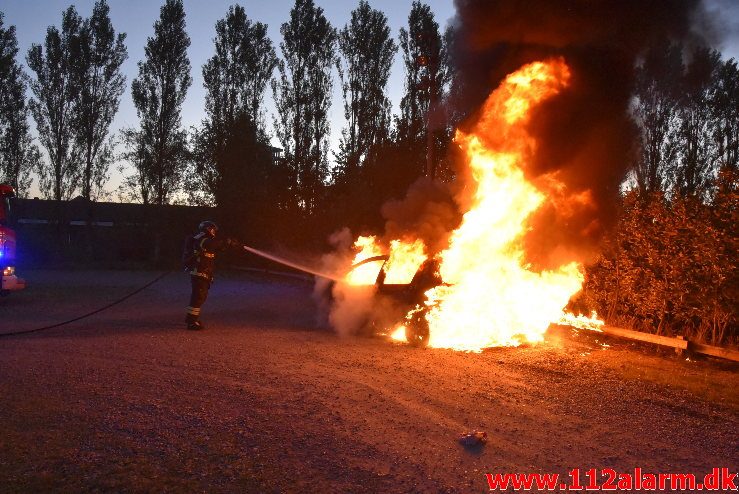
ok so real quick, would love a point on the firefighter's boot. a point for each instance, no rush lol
(193, 322)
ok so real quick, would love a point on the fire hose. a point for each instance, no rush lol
(78, 318)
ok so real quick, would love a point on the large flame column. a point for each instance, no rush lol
(490, 297)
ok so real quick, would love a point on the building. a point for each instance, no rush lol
(54, 233)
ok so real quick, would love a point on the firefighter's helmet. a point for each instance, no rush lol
(208, 227)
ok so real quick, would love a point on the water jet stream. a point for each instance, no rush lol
(291, 264)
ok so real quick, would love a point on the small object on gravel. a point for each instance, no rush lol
(474, 438)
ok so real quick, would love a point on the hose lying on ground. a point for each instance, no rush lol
(69, 321)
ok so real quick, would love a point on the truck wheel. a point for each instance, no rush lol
(417, 330)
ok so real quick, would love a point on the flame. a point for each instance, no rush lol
(490, 297)
(593, 323)
(366, 274)
(493, 298)
(398, 333)
(403, 261)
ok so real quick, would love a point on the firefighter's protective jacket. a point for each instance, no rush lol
(206, 248)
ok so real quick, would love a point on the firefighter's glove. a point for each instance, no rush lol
(232, 242)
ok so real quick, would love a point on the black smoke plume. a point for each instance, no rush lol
(585, 134)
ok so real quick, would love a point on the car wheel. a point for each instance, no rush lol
(417, 330)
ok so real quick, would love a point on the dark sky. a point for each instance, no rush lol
(135, 17)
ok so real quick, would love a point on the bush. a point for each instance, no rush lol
(670, 267)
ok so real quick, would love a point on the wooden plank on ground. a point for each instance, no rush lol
(679, 342)
(714, 351)
(648, 337)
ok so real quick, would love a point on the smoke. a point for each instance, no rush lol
(346, 308)
(427, 212)
(585, 136)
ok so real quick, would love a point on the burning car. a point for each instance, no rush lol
(505, 275)
(401, 305)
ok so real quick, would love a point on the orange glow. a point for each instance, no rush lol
(493, 298)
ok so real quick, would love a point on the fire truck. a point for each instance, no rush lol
(9, 281)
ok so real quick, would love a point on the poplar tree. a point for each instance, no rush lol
(55, 91)
(235, 79)
(236, 76)
(96, 71)
(424, 55)
(655, 110)
(158, 93)
(302, 95)
(367, 52)
(724, 101)
(694, 169)
(18, 154)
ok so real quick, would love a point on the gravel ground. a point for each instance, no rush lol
(264, 401)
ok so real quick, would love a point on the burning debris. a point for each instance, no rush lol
(593, 323)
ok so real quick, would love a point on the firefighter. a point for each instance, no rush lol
(199, 258)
